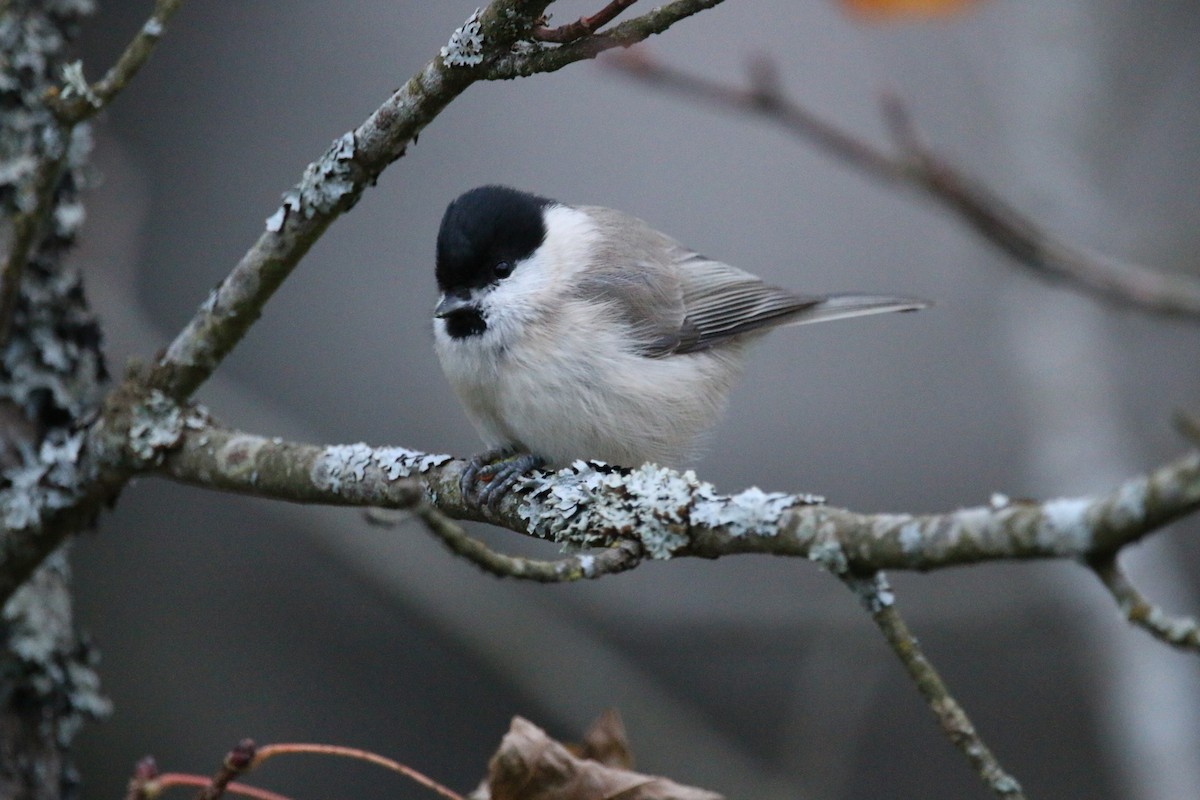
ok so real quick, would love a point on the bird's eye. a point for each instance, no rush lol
(502, 269)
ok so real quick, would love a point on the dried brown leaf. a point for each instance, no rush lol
(531, 766)
(606, 742)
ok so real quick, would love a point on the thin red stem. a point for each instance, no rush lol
(272, 750)
(584, 25)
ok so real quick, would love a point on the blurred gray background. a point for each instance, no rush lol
(221, 617)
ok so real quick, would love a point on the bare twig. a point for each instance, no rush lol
(878, 599)
(1026, 241)
(764, 97)
(1180, 632)
(145, 772)
(582, 26)
(1188, 426)
(93, 98)
(148, 783)
(238, 760)
(168, 780)
(273, 750)
(625, 555)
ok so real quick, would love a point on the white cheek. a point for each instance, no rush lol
(571, 238)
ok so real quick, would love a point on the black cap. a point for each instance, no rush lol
(483, 227)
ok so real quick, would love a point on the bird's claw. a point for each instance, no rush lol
(499, 471)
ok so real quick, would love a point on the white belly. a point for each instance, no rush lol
(555, 395)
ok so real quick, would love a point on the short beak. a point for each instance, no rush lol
(451, 303)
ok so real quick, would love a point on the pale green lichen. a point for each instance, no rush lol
(827, 552)
(1064, 526)
(43, 658)
(76, 85)
(589, 505)
(48, 480)
(327, 183)
(350, 463)
(910, 538)
(874, 592)
(156, 425)
(465, 48)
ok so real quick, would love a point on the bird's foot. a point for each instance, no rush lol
(498, 471)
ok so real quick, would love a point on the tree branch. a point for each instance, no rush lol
(493, 44)
(36, 519)
(582, 26)
(879, 601)
(670, 514)
(529, 61)
(81, 101)
(915, 165)
(1180, 632)
(237, 761)
(625, 555)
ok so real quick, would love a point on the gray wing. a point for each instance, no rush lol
(677, 301)
(722, 302)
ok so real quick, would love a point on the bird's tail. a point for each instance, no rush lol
(844, 306)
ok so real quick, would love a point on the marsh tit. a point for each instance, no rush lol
(580, 332)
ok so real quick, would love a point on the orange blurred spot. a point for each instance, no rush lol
(886, 9)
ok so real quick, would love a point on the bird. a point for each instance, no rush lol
(577, 332)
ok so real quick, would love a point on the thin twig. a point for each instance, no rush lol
(625, 555)
(1026, 241)
(273, 750)
(1179, 632)
(238, 760)
(584, 25)
(97, 96)
(141, 783)
(171, 779)
(1188, 426)
(625, 34)
(878, 599)
(763, 97)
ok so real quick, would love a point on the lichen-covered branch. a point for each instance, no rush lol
(329, 187)
(80, 100)
(75, 453)
(877, 598)
(663, 514)
(38, 516)
(914, 165)
(532, 60)
(671, 514)
(1180, 632)
(75, 473)
(495, 43)
(624, 555)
